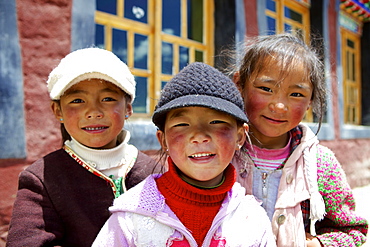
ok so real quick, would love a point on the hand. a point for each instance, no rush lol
(312, 241)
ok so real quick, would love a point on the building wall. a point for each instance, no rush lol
(12, 122)
(11, 91)
(44, 38)
(44, 31)
(351, 144)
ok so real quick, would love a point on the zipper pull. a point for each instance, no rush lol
(264, 188)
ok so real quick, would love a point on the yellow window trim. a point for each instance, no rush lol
(352, 110)
(153, 30)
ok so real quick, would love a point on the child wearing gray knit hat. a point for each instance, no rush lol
(196, 202)
(199, 84)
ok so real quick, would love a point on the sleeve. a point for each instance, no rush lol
(341, 225)
(34, 220)
(112, 233)
(268, 238)
(143, 167)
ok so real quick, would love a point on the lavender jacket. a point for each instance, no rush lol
(141, 217)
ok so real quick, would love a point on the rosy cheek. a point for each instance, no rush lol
(71, 113)
(118, 110)
(176, 139)
(176, 143)
(253, 104)
(117, 115)
(298, 113)
(224, 135)
(252, 107)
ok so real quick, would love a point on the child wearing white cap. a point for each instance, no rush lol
(63, 198)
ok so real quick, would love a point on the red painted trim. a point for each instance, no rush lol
(251, 20)
(332, 26)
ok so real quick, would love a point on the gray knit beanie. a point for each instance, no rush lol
(199, 84)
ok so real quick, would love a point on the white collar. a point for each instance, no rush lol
(102, 159)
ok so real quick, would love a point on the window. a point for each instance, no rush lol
(156, 39)
(287, 16)
(351, 77)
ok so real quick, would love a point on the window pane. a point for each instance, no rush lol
(293, 15)
(184, 57)
(167, 58)
(136, 10)
(99, 36)
(287, 27)
(141, 51)
(350, 43)
(271, 25)
(171, 17)
(195, 20)
(108, 6)
(347, 67)
(353, 67)
(352, 95)
(271, 5)
(199, 56)
(119, 44)
(140, 104)
(163, 83)
(354, 115)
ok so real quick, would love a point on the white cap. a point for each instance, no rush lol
(86, 64)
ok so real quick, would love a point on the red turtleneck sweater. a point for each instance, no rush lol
(196, 208)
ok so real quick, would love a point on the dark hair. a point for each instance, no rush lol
(288, 49)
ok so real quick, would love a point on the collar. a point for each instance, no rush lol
(185, 191)
(102, 159)
(296, 136)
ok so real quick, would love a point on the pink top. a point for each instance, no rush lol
(270, 159)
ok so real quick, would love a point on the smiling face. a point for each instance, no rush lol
(201, 142)
(276, 103)
(93, 112)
